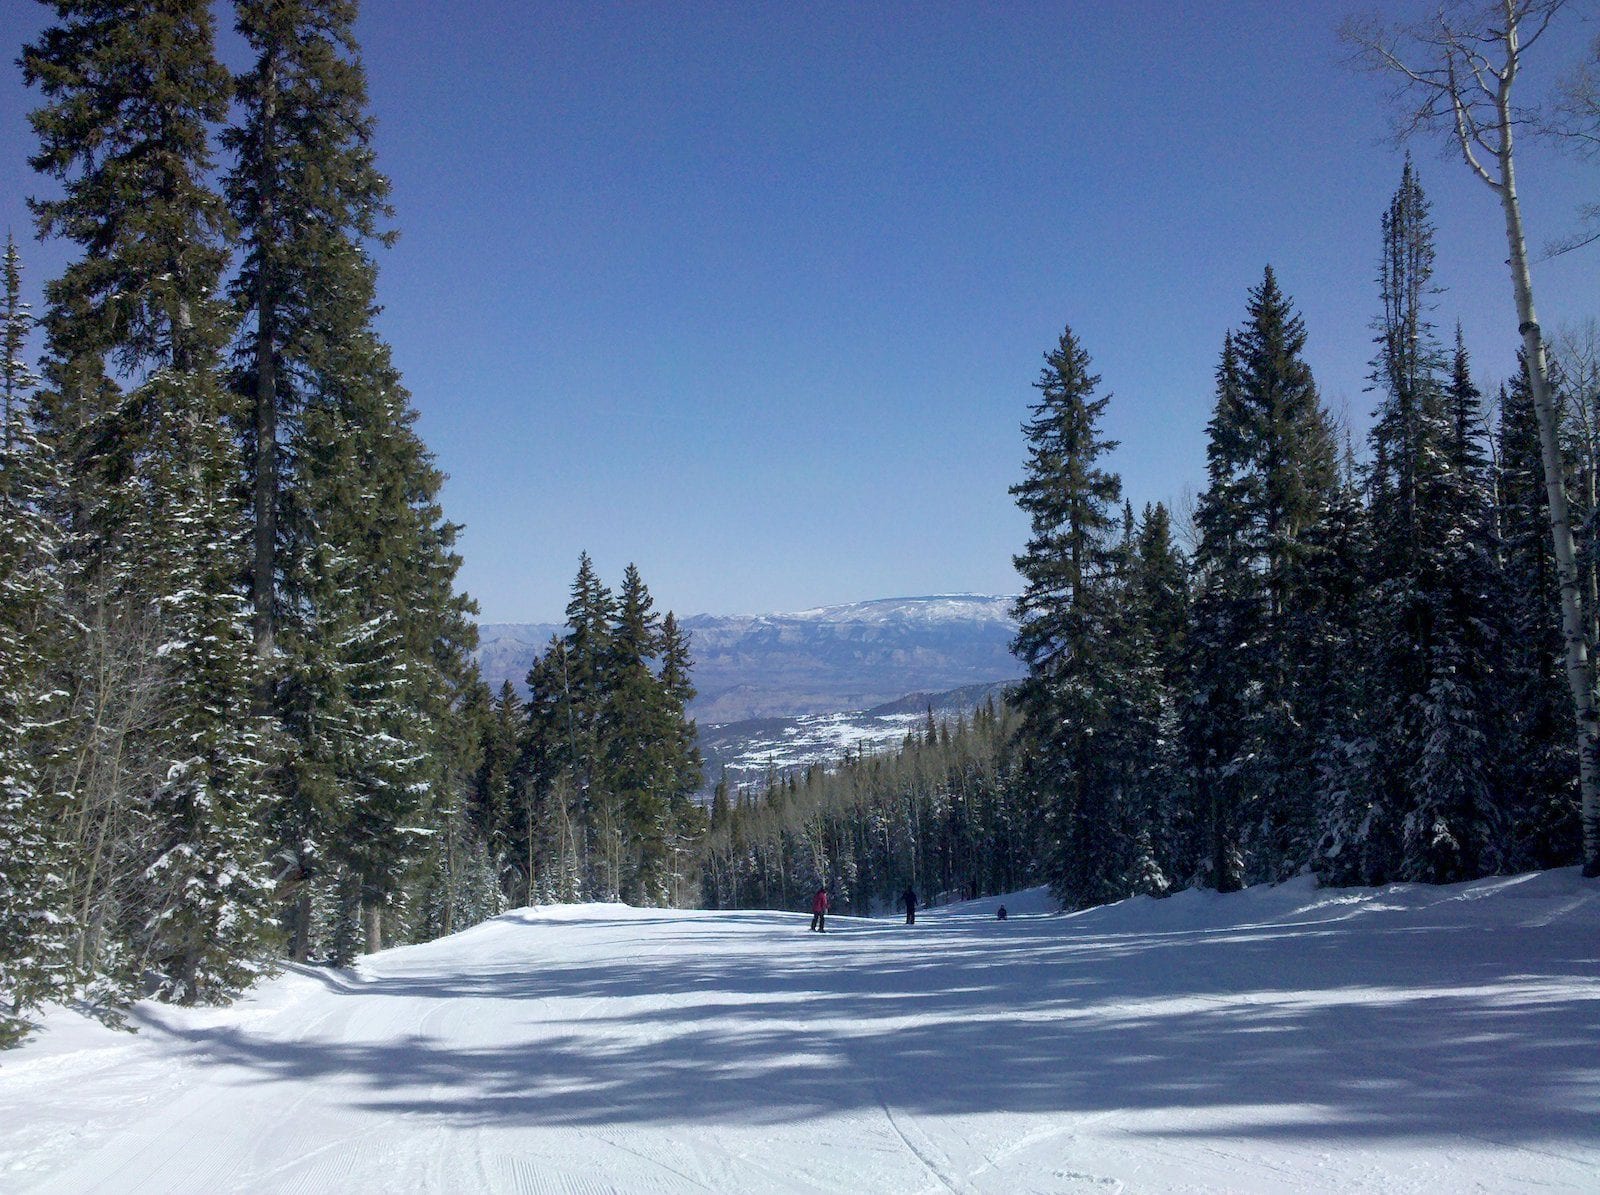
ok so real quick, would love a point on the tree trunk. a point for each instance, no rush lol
(372, 918)
(264, 561)
(1580, 677)
(300, 948)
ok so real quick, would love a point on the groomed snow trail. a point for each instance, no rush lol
(1397, 1039)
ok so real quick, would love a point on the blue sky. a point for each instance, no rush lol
(752, 294)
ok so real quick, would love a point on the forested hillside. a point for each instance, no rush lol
(234, 659)
(945, 814)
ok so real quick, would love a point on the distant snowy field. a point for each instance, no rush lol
(1281, 1039)
(820, 738)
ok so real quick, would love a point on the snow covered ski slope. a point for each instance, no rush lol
(1285, 1039)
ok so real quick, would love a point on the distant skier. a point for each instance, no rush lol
(909, 899)
(1001, 915)
(819, 910)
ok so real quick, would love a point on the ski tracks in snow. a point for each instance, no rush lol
(1160, 1046)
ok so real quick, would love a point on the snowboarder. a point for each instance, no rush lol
(1001, 915)
(909, 898)
(819, 910)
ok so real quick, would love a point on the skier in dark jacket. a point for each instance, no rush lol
(819, 910)
(909, 898)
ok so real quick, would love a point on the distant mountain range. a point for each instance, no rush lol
(823, 661)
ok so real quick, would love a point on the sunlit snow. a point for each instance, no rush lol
(1396, 1039)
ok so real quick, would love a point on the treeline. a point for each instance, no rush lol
(945, 813)
(234, 667)
(587, 791)
(1358, 672)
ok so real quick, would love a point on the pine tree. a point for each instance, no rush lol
(636, 734)
(352, 564)
(1450, 824)
(131, 92)
(608, 767)
(1341, 717)
(1159, 598)
(687, 822)
(1224, 640)
(492, 805)
(1067, 617)
(307, 196)
(35, 938)
(400, 631)
(1536, 768)
(1272, 473)
(1431, 677)
(566, 781)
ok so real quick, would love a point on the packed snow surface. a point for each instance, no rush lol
(1395, 1039)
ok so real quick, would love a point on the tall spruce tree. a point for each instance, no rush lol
(307, 196)
(1067, 623)
(608, 764)
(1536, 769)
(35, 919)
(493, 794)
(1429, 816)
(1340, 716)
(1272, 472)
(352, 564)
(561, 752)
(636, 734)
(403, 631)
(131, 93)
(1158, 593)
(687, 820)
(1224, 636)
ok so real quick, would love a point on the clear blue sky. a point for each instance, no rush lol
(753, 293)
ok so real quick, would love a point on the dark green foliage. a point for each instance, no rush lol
(1536, 765)
(609, 767)
(1271, 470)
(1085, 704)
(236, 737)
(132, 89)
(352, 564)
(1364, 685)
(944, 817)
(1430, 676)
(35, 937)
(149, 488)
(306, 195)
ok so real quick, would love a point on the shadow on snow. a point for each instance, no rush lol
(1412, 1031)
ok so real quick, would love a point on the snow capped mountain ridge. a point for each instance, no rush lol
(927, 611)
(829, 659)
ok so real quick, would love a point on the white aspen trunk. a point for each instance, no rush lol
(1580, 676)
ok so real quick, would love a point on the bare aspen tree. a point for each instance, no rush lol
(1573, 121)
(1456, 74)
(1577, 356)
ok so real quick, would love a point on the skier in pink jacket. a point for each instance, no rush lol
(819, 909)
